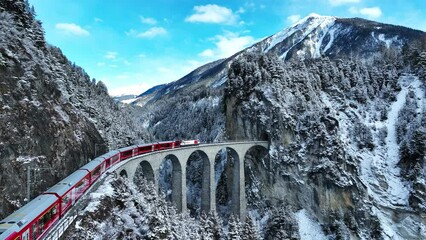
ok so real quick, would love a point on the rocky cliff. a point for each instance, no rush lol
(54, 118)
(339, 132)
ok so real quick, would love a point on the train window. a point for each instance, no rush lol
(66, 199)
(40, 227)
(80, 185)
(12, 222)
(34, 231)
(54, 210)
(96, 171)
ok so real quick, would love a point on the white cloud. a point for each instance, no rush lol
(212, 13)
(373, 12)
(342, 2)
(206, 53)
(148, 20)
(241, 10)
(226, 45)
(111, 55)
(72, 28)
(231, 43)
(100, 64)
(293, 18)
(98, 20)
(152, 32)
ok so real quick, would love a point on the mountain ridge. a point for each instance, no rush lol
(285, 48)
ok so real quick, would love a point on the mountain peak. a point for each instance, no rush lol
(313, 17)
(305, 26)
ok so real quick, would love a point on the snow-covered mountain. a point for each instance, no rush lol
(342, 102)
(312, 37)
(316, 36)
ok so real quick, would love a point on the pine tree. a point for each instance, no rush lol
(249, 231)
(234, 229)
(205, 231)
(216, 225)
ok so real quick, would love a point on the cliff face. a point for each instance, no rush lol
(53, 117)
(339, 133)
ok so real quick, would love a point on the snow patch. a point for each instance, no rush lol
(61, 113)
(308, 228)
(331, 32)
(220, 82)
(28, 159)
(129, 101)
(103, 190)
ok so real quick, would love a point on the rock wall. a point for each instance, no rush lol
(324, 120)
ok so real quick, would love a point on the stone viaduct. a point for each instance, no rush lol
(150, 165)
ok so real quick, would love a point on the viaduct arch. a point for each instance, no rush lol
(150, 164)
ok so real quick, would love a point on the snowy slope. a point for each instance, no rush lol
(304, 29)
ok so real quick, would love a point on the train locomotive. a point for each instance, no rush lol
(33, 220)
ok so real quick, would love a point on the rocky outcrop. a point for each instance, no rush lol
(326, 120)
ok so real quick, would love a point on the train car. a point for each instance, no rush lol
(164, 145)
(70, 189)
(126, 152)
(110, 158)
(185, 143)
(144, 148)
(31, 221)
(94, 167)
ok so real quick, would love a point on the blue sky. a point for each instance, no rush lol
(132, 45)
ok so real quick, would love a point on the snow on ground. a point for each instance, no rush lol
(379, 170)
(219, 82)
(325, 25)
(105, 189)
(63, 114)
(308, 228)
(29, 159)
(129, 101)
(398, 191)
(331, 32)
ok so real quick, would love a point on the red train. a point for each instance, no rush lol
(33, 220)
